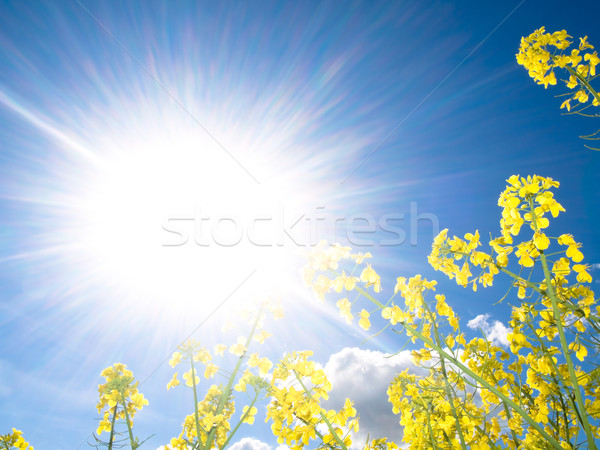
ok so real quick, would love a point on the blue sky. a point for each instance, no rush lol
(123, 125)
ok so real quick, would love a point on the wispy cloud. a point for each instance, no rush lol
(495, 332)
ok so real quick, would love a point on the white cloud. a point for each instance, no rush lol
(363, 376)
(250, 444)
(496, 332)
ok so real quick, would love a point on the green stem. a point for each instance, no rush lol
(489, 439)
(565, 420)
(447, 389)
(323, 416)
(131, 440)
(508, 417)
(232, 433)
(112, 429)
(485, 384)
(196, 414)
(476, 377)
(583, 81)
(227, 392)
(563, 340)
(317, 433)
(558, 380)
(426, 409)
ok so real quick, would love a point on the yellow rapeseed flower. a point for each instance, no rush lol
(371, 277)
(239, 348)
(364, 322)
(249, 414)
(174, 382)
(14, 440)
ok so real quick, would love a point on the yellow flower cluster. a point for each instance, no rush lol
(324, 257)
(525, 201)
(213, 418)
(446, 251)
(476, 394)
(541, 53)
(444, 402)
(249, 413)
(328, 258)
(439, 401)
(264, 364)
(209, 426)
(14, 440)
(417, 312)
(523, 194)
(431, 418)
(542, 372)
(192, 352)
(119, 389)
(297, 388)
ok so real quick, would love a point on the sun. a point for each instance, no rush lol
(143, 212)
(171, 219)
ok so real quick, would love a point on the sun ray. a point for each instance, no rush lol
(132, 207)
(66, 141)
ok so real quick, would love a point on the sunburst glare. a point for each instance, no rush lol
(163, 217)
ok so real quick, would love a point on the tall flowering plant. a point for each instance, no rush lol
(119, 400)
(213, 424)
(546, 54)
(543, 391)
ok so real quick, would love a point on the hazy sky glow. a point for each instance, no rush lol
(160, 161)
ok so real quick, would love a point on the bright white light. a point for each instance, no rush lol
(144, 210)
(170, 218)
